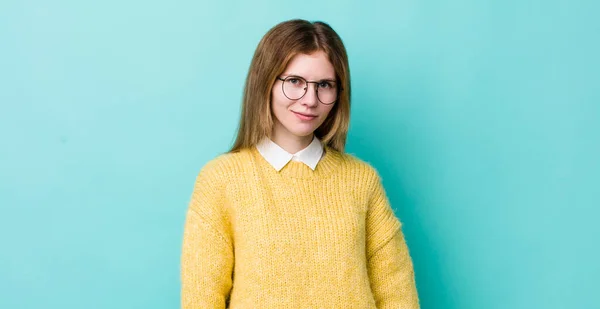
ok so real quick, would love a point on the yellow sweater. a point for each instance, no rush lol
(297, 238)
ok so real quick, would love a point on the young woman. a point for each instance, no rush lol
(286, 219)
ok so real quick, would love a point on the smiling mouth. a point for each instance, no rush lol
(304, 116)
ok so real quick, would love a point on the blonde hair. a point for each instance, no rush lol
(277, 47)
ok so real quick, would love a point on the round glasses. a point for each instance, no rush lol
(295, 87)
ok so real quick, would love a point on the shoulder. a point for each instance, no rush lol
(225, 165)
(353, 163)
(217, 174)
(358, 169)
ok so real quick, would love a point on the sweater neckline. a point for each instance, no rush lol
(296, 169)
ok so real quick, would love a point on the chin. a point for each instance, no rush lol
(302, 133)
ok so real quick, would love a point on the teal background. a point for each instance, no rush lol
(481, 116)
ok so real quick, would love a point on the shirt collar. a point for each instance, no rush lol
(278, 157)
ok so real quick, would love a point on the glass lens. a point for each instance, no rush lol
(327, 92)
(294, 87)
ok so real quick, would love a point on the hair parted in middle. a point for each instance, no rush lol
(273, 53)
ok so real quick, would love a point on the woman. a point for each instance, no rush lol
(286, 219)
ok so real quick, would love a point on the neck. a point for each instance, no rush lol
(290, 142)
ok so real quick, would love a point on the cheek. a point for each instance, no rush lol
(277, 98)
(279, 103)
(326, 110)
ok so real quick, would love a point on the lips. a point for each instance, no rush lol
(307, 115)
(304, 117)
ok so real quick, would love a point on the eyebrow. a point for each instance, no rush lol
(329, 79)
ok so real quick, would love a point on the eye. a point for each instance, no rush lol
(293, 81)
(325, 85)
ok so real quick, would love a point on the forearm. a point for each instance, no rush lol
(206, 266)
(391, 274)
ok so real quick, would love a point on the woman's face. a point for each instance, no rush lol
(301, 117)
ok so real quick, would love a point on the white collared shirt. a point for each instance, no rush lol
(278, 157)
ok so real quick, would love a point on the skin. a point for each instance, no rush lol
(289, 131)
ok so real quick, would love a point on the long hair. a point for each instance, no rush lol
(273, 53)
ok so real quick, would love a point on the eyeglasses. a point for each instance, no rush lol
(295, 87)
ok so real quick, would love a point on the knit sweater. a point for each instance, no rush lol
(297, 238)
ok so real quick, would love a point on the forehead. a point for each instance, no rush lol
(315, 66)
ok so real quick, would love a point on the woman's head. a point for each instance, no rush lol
(298, 68)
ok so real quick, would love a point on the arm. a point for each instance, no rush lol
(390, 267)
(207, 252)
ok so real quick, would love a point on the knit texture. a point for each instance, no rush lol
(297, 238)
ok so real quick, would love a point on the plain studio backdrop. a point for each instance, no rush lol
(481, 116)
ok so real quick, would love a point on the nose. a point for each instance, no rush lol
(310, 98)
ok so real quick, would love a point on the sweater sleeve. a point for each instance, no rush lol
(207, 253)
(390, 266)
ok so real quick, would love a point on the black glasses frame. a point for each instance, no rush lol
(337, 96)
